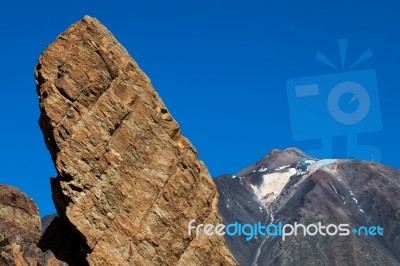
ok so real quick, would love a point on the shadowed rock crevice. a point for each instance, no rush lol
(64, 242)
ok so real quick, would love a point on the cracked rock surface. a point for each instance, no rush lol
(128, 181)
(20, 230)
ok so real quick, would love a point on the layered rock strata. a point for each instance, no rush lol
(128, 181)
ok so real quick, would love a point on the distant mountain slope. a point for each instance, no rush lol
(289, 186)
(46, 220)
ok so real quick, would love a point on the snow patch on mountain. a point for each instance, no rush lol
(262, 169)
(326, 163)
(333, 186)
(272, 185)
(282, 167)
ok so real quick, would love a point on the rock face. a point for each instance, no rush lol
(289, 186)
(20, 230)
(128, 181)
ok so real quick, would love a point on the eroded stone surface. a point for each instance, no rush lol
(128, 181)
(20, 230)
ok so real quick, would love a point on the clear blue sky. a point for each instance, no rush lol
(221, 67)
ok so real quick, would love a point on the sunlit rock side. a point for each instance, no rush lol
(128, 181)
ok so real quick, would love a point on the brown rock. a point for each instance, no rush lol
(18, 210)
(20, 230)
(128, 181)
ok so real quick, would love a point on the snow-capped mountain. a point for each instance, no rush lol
(290, 186)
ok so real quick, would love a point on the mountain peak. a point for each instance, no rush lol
(277, 158)
(291, 187)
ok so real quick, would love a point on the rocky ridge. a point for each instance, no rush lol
(20, 230)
